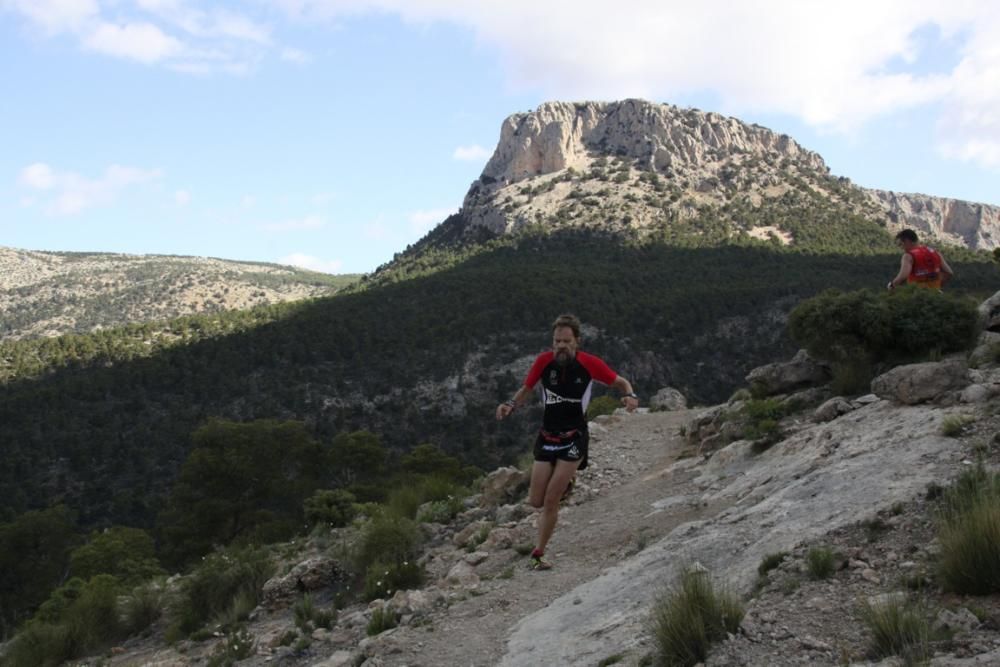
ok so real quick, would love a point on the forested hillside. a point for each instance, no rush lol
(102, 422)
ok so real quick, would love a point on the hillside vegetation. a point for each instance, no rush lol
(52, 293)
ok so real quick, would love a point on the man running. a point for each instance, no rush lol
(567, 375)
(921, 265)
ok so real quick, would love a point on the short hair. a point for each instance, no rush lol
(567, 320)
(907, 235)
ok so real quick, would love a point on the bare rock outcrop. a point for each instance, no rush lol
(918, 383)
(971, 224)
(781, 377)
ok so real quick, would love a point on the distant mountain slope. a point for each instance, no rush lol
(51, 293)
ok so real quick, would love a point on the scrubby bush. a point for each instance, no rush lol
(439, 511)
(308, 616)
(382, 619)
(78, 618)
(225, 581)
(333, 508)
(820, 562)
(690, 617)
(771, 561)
(602, 405)
(855, 330)
(954, 425)
(898, 628)
(969, 533)
(387, 539)
(384, 579)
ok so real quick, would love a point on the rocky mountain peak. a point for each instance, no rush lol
(559, 135)
(637, 164)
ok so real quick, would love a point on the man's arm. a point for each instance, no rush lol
(629, 399)
(905, 266)
(507, 407)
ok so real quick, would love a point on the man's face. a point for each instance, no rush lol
(564, 345)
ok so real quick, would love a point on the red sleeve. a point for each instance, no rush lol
(535, 374)
(598, 370)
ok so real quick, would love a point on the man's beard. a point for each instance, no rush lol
(563, 358)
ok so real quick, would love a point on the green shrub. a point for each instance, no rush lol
(308, 616)
(440, 511)
(237, 646)
(870, 327)
(334, 508)
(820, 562)
(382, 619)
(969, 533)
(78, 618)
(222, 579)
(771, 561)
(387, 539)
(384, 579)
(690, 617)
(602, 405)
(143, 608)
(954, 425)
(898, 629)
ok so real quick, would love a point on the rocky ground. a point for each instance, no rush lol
(484, 606)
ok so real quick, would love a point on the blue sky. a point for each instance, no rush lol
(332, 133)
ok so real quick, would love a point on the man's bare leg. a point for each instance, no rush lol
(558, 479)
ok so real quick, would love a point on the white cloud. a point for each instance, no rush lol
(422, 221)
(835, 66)
(38, 176)
(69, 193)
(55, 16)
(295, 225)
(134, 41)
(473, 153)
(182, 197)
(312, 263)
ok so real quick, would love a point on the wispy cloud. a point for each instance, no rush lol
(174, 33)
(65, 193)
(312, 263)
(143, 42)
(473, 153)
(296, 225)
(836, 66)
(182, 197)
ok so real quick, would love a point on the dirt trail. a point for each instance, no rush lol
(598, 532)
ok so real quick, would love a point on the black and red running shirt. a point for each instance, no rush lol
(566, 389)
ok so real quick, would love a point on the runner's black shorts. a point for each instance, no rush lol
(567, 446)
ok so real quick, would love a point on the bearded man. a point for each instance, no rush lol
(567, 375)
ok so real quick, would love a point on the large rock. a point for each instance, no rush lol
(667, 398)
(783, 377)
(986, 351)
(990, 312)
(503, 486)
(919, 383)
(309, 575)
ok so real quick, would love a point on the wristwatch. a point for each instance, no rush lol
(631, 395)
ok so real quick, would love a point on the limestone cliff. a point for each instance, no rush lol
(600, 163)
